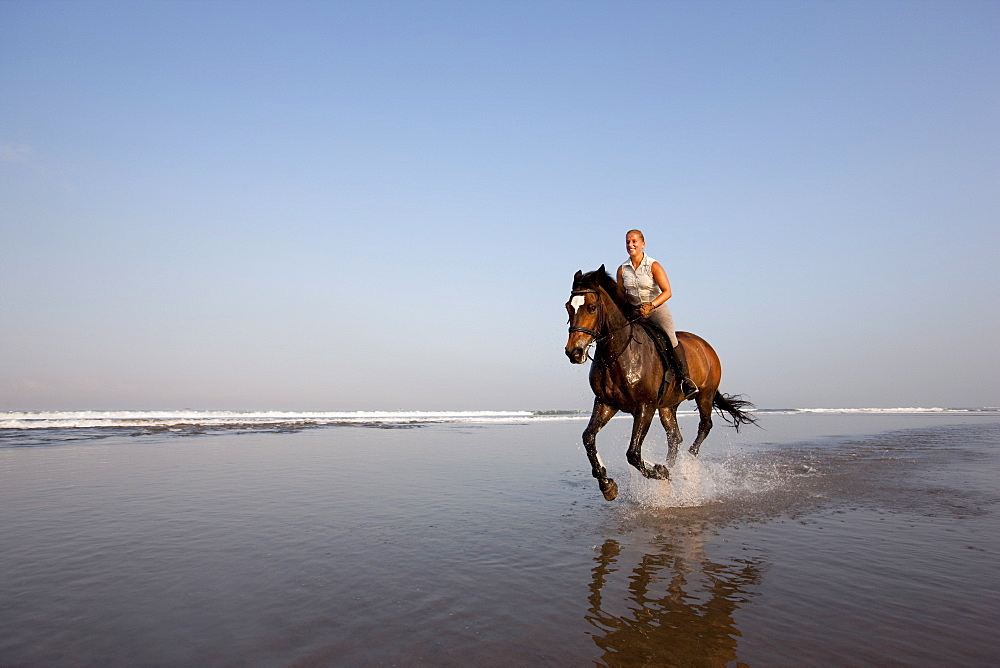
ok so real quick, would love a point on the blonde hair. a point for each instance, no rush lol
(639, 232)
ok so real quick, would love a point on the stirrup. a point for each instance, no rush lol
(689, 388)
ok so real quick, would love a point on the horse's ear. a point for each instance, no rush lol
(577, 276)
(603, 270)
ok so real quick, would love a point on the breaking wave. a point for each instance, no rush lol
(291, 419)
(98, 419)
(19, 428)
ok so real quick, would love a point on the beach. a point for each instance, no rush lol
(834, 538)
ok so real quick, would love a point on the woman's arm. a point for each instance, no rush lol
(663, 282)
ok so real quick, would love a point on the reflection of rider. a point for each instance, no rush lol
(645, 285)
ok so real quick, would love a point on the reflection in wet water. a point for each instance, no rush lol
(672, 606)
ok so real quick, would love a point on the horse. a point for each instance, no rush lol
(628, 375)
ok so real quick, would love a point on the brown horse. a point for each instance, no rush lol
(628, 372)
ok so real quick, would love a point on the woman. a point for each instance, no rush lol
(645, 285)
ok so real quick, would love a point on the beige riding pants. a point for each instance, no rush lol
(662, 318)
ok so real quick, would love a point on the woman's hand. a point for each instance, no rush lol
(645, 310)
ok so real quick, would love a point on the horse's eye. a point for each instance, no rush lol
(592, 308)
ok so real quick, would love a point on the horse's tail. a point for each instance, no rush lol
(731, 408)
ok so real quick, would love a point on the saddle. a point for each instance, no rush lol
(666, 352)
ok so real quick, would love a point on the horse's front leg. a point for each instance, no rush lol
(642, 418)
(668, 418)
(600, 417)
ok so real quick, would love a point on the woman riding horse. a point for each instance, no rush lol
(646, 286)
(628, 374)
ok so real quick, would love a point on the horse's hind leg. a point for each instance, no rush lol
(640, 427)
(668, 418)
(705, 423)
(602, 413)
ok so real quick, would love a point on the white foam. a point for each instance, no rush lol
(96, 419)
(893, 411)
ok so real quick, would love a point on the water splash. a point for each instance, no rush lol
(693, 482)
(700, 482)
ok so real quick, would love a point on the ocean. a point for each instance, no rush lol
(839, 536)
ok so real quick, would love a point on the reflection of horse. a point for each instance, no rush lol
(627, 375)
(679, 607)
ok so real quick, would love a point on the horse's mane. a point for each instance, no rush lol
(600, 278)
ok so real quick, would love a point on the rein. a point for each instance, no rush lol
(601, 320)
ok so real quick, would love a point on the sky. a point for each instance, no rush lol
(380, 205)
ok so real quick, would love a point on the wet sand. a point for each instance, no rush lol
(841, 540)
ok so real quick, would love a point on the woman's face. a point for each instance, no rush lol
(634, 244)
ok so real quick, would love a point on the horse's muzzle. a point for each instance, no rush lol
(577, 355)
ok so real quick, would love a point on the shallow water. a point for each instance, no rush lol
(834, 539)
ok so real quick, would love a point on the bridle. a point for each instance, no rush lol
(601, 321)
(600, 313)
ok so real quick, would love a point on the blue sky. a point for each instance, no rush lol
(380, 205)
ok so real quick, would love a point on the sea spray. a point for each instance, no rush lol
(700, 481)
(692, 483)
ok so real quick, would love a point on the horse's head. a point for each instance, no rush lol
(584, 308)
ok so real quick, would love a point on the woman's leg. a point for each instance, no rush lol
(663, 319)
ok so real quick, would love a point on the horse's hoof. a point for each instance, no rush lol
(609, 488)
(694, 450)
(661, 472)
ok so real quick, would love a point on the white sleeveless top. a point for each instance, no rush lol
(640, 288)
